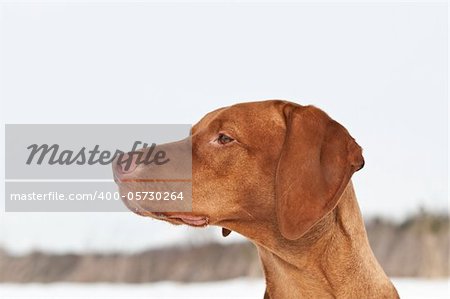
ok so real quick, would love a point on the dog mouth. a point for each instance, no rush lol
(176, 218)
(192, 220)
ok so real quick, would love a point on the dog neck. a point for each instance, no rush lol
(333, 259)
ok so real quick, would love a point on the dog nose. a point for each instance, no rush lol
(125, 164)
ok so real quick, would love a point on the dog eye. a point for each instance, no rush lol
(224, 139)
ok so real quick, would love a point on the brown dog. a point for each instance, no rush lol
(279, 174)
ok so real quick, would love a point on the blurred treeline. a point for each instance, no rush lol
(418, 247)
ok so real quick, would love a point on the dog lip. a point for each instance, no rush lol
(119, 172)
(116, 178)
(192, 220)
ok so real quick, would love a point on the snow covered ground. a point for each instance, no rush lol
(238, 288)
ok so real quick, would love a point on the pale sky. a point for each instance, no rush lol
(380, 70)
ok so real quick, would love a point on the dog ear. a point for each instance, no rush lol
(225, 232)
(316, 163)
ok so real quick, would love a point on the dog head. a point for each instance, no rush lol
(260, 163)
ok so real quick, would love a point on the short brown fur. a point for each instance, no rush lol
(284, 183)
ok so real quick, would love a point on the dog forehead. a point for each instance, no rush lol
(253, 115)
